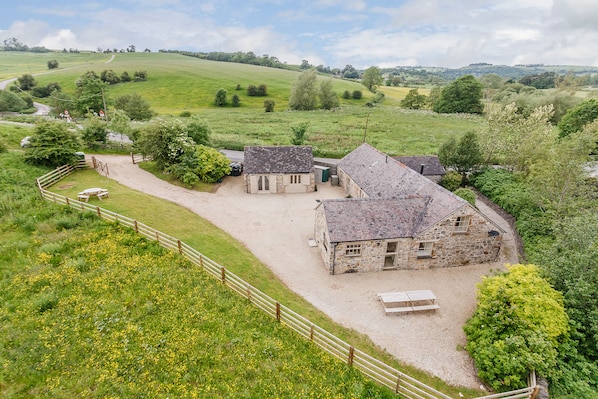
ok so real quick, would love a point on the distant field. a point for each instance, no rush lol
(14, 64)
(178, 83)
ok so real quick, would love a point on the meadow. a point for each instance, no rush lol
(179, 84)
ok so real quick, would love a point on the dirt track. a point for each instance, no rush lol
(276, 228)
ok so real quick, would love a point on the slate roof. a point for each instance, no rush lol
(364, 219)
(431, 164)
(400, 202)
(278, 159)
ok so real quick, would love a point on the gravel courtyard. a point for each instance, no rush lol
(276, 228)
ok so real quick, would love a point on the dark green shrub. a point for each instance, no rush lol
(451, 180)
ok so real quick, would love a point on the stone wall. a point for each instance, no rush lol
(449, 249)
(280, 183)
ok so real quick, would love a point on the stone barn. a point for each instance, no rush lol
(395, 218)
(279, 169)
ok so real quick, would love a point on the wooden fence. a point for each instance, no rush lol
(401, 383)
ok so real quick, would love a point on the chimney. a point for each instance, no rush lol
(421, 168)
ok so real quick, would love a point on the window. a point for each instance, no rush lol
(263, 183)
(353, 250)
(461, 224)
(295, 179)
(425, 249)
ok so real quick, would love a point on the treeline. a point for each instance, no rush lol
(12, 44)
(237, 57)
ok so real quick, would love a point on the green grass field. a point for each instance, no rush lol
(179, 83)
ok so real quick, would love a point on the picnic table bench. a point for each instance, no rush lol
(408, 301)
(92, 192)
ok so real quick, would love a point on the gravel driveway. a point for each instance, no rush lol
(276, 228)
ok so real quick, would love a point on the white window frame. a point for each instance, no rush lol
(425, 249)
(353, 250)
(462, 224)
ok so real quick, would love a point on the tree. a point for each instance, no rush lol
(46, 91)
(109, 77)
(199, 130)
(576, 118)
(558, 179)
(515, 141)
(91, 95)
(372, 78)
(11, 102)
(220, 99)
(52, 145)
(262, 90)
(269, 105)
(299, 133)
(135, 106)
(165, 141)
(414, 100)
(235, 100)
(52, 64)
(304, 93)
(140, 76)
(356, 95)
(462, 96)
(120, 123)
(571, 264)
(518, 326)
(26, 82)
(94, 131)
(125, 77)
(464, 156)
(328, 97)
(304, 65)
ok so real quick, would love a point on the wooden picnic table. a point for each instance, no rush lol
(93, 192)
(408, 301)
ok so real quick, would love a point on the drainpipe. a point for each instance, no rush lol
(421, 168)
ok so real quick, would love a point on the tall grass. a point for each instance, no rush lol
(90, 310)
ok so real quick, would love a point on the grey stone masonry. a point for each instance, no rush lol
(395, 218)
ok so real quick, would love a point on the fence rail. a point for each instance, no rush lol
(404, 385)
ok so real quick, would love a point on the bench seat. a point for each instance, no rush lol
(426, 307)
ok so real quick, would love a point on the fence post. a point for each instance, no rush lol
(136, 226)
(180, 247)
(132, 158)
(351, 356)
(99, 212)
(67, 202)
(249, 292)
(398, 383)
(278, 311)
(157, 236)
(311, 332)
(201, 260)
(223, 274)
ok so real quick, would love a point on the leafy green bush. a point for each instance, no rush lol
(212, 165)
(467, 194)
(518, 326)
(451, 180)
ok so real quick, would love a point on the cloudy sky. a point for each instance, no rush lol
(446, 33)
